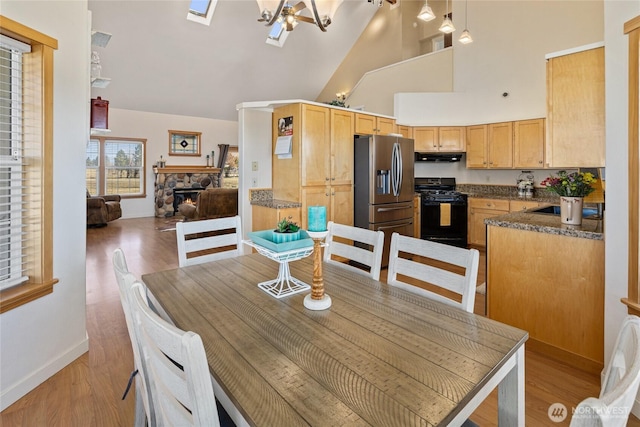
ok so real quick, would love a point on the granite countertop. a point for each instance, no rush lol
(276, 204)
(550, 224)
(506, 192)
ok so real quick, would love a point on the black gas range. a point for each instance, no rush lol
(443, 215)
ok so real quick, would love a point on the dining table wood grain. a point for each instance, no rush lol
(378, 356)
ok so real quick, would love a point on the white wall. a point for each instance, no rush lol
(39, 338)
(155, 128)
(616, 13)
(511, 39)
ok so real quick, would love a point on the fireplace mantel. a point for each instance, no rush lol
(187, 169)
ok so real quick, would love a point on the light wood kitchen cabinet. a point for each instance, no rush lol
(575, 110)
(528, 144)
(532, 286)
(523, 205)
(477, 146)
(500, 145)
(445, 139)
(367, 124)
(405, 131)
(320, 170)
(265, 218)
(479, 210)
(337, 199)
(416, 216)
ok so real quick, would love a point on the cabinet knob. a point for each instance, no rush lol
(539, 162)
(326, 194)
(333, 179)
(326, 178)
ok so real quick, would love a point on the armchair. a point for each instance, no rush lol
(102, 209)
(212, 203)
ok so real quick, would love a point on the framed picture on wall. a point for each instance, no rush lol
(184, 143)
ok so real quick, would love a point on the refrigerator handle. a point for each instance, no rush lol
(396, 168)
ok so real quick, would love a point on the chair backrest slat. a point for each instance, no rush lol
(434, 264)
(207, 235)
(620, 384)
(355, 244)
(143, 398)
(178, 369)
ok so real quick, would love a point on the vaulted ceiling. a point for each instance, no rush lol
(158, 61)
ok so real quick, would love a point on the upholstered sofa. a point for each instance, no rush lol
(102, 209)
(212, 203)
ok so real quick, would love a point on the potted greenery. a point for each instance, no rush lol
(286, 231)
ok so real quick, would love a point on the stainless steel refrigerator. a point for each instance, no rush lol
(383, 186)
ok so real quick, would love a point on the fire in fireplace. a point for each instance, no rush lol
(184, 195)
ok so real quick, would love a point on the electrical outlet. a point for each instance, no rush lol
(254, 166)
(254, 182)
(488, 178)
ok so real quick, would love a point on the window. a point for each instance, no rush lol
(116, 166)
(201, 11)
(277, 36)
(26, 150)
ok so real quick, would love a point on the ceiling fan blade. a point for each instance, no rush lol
(305, 19)
(298, 7)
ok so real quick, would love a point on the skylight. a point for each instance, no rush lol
(201, 11)
(277, 35)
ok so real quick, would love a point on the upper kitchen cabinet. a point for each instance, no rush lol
(367, 124)
(500, 145)
(446, 139)
(320, 170)
(575, 109)
(405, 131)
(477, 146)
(528, 144)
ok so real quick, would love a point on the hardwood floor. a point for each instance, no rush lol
(88, 392)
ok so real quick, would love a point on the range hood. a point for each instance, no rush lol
(438, 157)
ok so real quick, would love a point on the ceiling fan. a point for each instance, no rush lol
(289, 14)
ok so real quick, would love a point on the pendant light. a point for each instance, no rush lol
(465, 37)
(426, 14)
(447, 25)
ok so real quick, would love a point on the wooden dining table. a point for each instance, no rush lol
(378, 356)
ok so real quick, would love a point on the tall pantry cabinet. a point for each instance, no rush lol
(320, 170)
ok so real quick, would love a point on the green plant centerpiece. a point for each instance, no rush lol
(286, 231)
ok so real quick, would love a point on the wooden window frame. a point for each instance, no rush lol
(40, 267)
(101, 169)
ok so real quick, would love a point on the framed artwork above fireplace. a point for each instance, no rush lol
(184, 143)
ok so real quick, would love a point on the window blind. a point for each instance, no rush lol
(20, 158)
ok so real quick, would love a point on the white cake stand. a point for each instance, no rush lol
(285, 284)
(317, 299)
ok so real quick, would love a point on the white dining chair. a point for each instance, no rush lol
(177, 365)
(428, 264)
(620, 384)
(208, 240)
(143, 405)
(345, 244)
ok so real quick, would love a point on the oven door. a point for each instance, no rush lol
(444, 222)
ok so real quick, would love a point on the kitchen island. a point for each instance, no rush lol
(548, 279)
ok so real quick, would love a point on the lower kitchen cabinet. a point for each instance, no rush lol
(479, 210)
(523, 205)
(265, 218)
(337, 199)
(533, 285)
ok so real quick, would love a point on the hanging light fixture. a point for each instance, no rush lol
(426, 14)
(447, 25)
(289, 15)
(465, 37)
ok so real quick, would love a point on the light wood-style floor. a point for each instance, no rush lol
(88, 392)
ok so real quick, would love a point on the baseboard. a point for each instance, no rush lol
(12, 394)
(565, 356)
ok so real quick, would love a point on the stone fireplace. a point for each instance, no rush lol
(177, 181)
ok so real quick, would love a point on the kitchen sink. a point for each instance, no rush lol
(555, 210)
